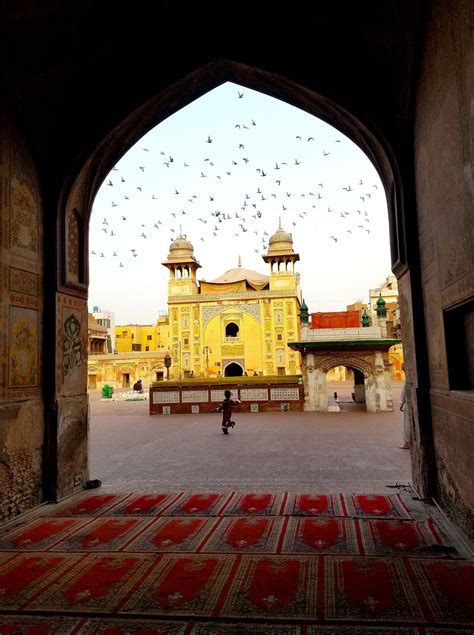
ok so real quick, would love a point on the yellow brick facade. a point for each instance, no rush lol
(142, 337)
(238, 324)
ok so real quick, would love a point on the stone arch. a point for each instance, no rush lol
(88, 176)
(92, 168)
(345, 360)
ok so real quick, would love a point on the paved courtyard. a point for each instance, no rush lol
(350, 450)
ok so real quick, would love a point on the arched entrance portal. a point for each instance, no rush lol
(233, 370)
(78, 194)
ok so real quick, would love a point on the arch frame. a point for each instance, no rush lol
(327, 363)
(92, 167)
(88, 174)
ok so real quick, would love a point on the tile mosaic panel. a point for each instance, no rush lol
(284, 394)
(193, 396)
(254, 394)
(171, 396)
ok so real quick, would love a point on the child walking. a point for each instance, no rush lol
(226, 409)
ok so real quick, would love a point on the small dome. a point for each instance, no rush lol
(380, 301)
(181, 248)
(280, 242)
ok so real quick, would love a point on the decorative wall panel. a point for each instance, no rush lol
(284, 394)
(166, 397)
(254, 394)
(193, 396)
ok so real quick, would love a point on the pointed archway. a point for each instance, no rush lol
(79, 192)
(233, 370)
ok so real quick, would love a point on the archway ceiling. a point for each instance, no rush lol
(78, 69)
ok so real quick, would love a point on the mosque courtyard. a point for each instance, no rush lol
(351, 450)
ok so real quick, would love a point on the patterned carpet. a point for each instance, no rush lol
(231, 563)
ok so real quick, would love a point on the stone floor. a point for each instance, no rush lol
(348, 450)
(351, 451)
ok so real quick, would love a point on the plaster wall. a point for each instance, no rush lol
(21, 325)
(444, 189)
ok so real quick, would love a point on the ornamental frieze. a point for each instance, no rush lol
(208, 312)
(359, 363)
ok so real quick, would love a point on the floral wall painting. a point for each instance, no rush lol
(23, 355)
(24, 223)
(72, 343)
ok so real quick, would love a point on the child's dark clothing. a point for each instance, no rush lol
(226, 409)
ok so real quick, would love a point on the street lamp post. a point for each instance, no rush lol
(167, 365)
(206, 350)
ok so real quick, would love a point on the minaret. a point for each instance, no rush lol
(381, 308)
(281, 258)
(182, 266)
(304, 320)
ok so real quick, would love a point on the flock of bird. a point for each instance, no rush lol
(239, 198)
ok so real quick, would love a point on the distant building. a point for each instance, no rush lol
(388, 291)
(143, 337)
(107, 319)
(96, 336)
(363, 349)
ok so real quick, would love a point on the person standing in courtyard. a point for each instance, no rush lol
(226, 407)
(406, 416)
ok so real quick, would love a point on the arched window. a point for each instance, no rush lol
(232, 330)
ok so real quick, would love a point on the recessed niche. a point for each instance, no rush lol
(459, 332)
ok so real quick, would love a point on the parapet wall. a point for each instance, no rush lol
(198, 397)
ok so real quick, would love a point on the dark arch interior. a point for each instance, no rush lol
(231, 330)
(234, 370)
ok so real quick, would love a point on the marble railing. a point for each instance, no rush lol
(356, 333)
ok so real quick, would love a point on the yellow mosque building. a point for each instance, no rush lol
(238, 324)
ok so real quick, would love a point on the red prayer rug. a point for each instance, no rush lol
(40, 534)
(273, 586)
(364, 630)
(245, 535)
(121, 626)
(242, 504)
(321, 535)
(314, 505)
(103, 534)
(23, 576)
(173, 534)
(181, 586)
(370, 589)
(88, 505)
(37, 625)
(96, 584)
(143, 505)
(449, 586)
(401, 537)
(202, 504)
(378, 506)
(238, 628)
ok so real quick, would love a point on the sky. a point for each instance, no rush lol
(225, 171)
